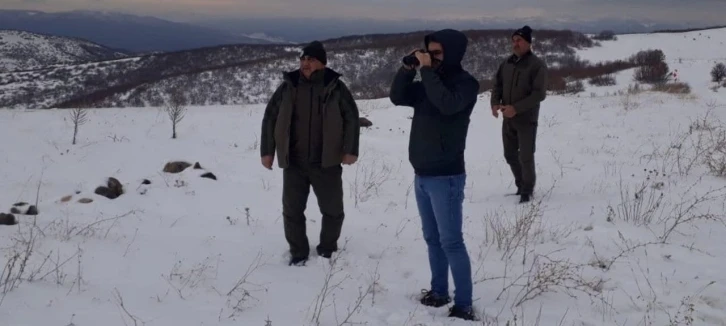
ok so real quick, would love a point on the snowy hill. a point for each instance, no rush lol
(21, 50)
(627, 226)
(247, 74)
(138, 34)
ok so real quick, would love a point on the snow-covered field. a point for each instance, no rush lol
(184, 250)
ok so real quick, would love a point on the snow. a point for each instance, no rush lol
(22, 50)
(172, 252)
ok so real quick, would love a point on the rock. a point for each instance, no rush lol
(176, 167)
(8, 219)
(66, 199)
(364, 122)
(146, 182)
(197, 166)
(24, 208)
(112, 190)
(209, 175)
(85, 200)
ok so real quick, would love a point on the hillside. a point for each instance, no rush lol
(626, 228)
(20, 50)
(138, 34)
(247, 74)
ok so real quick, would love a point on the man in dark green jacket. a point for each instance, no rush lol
(311, 124)
(520, 86)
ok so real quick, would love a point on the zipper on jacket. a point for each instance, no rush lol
(511, 85)
(310, 125)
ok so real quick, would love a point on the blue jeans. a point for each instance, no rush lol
(440, 203)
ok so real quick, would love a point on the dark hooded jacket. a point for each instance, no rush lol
(442, 102)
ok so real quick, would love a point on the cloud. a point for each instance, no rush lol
(705, 11)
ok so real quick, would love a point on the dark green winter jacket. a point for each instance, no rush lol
(521, 83)
(319, 131)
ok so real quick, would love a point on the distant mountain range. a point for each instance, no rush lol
(307, 29)
(137, 34)
(143, 34)
(21, 50)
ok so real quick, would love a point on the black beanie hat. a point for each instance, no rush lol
(316, 50)
(525, 32)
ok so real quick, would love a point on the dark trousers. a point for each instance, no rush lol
(519, 139)
(327, 183)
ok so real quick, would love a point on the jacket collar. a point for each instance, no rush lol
(515, 59)
(330, 77)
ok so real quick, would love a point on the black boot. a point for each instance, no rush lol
(434, 300)
(525, 198)
(462, 313)
(298, 261)
(325, 253)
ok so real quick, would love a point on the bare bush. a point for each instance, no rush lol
(644, 204)
(65, 229)
(125, 314)
(548, 275)
(331, 284)
(629, 102)
(510, 236)
(648, 57)
(604, 80)
(79, 116)
(689, 211)
(718, 73)
(176, 109)
(16, 267)
(242, 290)
(182, 279)
(369, 177)
(673, 88)
(606, 35)
(657, 73)
(715, 150)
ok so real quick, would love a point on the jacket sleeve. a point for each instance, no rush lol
(539, 91)
(351, 121)
(498, 89)
(404, 89)
(267, 141)
(449, 100)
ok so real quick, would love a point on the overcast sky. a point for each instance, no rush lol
(703, 11)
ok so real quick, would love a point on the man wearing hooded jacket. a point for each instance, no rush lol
(442, 103)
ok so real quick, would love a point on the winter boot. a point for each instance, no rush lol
(298, 261)
(434, 300)
(462, 313)
(525, 198)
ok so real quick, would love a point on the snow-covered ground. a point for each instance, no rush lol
(187, 250)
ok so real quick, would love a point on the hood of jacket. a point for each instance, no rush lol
(454, 44)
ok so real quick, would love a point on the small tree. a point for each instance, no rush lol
(718, 73)
(606, 36)
(176, 109)
(653, 74)
(79, 116)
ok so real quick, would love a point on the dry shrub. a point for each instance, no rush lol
(604, 80)
(673, 88)
(653, 74)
